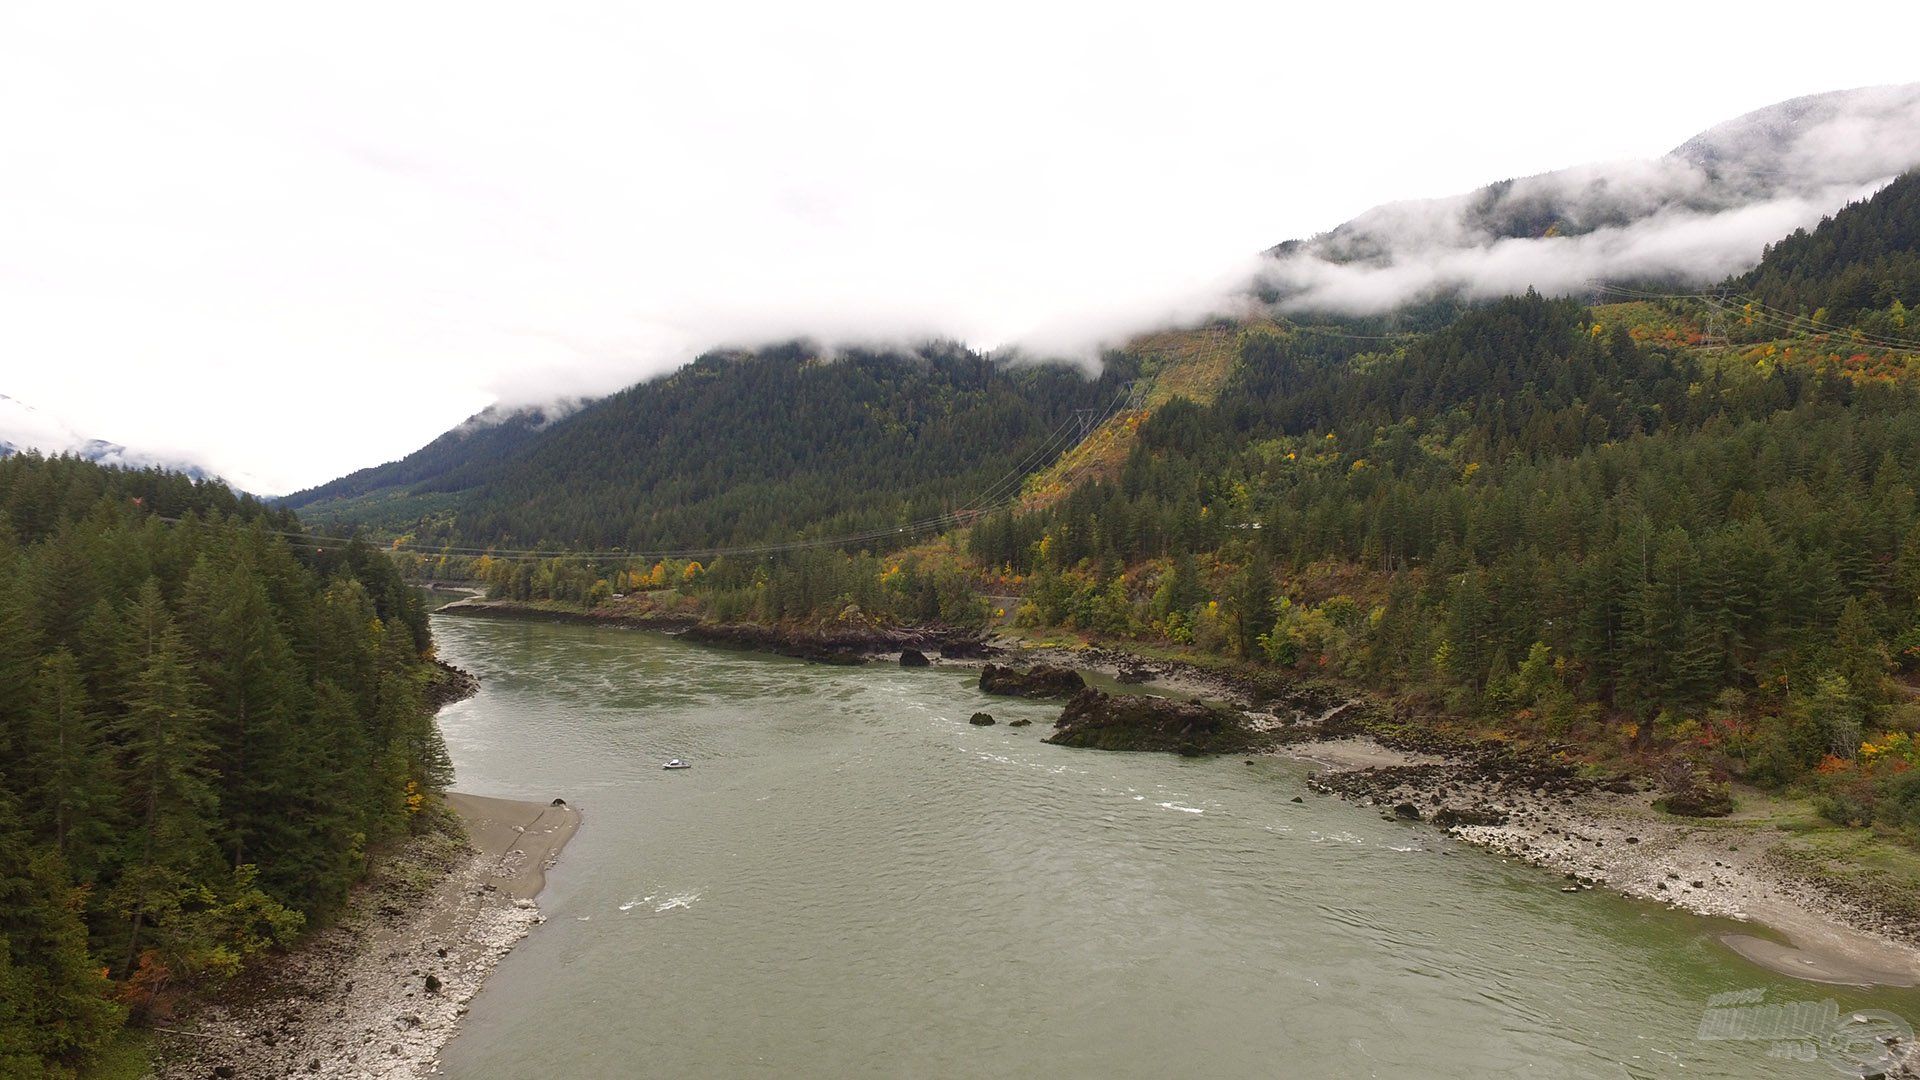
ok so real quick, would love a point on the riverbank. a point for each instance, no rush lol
(1608, 834)
(378, 993)
(1599, 831)
(1602, 832)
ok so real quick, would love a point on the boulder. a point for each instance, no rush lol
(1022, 722)
(1407, 811)
(980, 719)
(1448, 817)
(1697, 800)
(1039, 681)
(1102, 721)
(1132, 674)
(913, 658)
(965, 648)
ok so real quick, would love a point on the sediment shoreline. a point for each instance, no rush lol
(1605, 835)
(382, 989)
(380, 992)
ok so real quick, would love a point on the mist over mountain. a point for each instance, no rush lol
(24, 428)
(461, 458)
(738, 447)
(1701, 212)
(1704, 211)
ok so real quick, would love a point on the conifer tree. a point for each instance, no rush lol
(70, 775)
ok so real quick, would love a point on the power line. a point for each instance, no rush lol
(1732, 303)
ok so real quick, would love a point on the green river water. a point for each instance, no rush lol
(853, 882)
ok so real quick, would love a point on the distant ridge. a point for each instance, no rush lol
(24, 428)
(1696, 214)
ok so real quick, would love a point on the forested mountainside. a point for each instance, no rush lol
(464, 457)
(1605, 525)
(772, 446)
(1858, 270)
(206, 727)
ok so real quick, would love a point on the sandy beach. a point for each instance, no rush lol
(378, 993)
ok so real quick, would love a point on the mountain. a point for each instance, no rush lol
(24, 428)
(1859, 269)
(786, 443)
(464, 457)
(773, 445)
(1693, 216)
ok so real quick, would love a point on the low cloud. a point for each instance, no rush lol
(1702, 212)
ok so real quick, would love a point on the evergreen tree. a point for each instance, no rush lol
(69, 772)
(54, 1010)
(168, 774)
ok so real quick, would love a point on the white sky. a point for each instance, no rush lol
(290, 245)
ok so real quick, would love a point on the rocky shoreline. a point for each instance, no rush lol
(381, 990)
(1599, 832)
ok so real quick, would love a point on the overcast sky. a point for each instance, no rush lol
(293, 245)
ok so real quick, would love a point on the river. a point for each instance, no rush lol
(852, 881)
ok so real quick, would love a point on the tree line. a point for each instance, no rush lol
(207, 727)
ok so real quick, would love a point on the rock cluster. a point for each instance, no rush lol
(1481, 791)
(1102, 721)
(1039, 681)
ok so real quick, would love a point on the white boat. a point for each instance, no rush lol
(676, 763)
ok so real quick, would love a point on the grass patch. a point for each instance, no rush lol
(127, 1057)
(1879, 871)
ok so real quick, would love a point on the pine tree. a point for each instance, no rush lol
(1250, 597)
(54, 1012)
(252, 692)
(70, 773)
(19, 649)
(168, 774)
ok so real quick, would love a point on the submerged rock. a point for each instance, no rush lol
(913, 658)
(980, 719)
(1022, 722)
(1039, 681)
(1102, 721)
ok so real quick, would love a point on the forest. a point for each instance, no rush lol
(212, 720)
